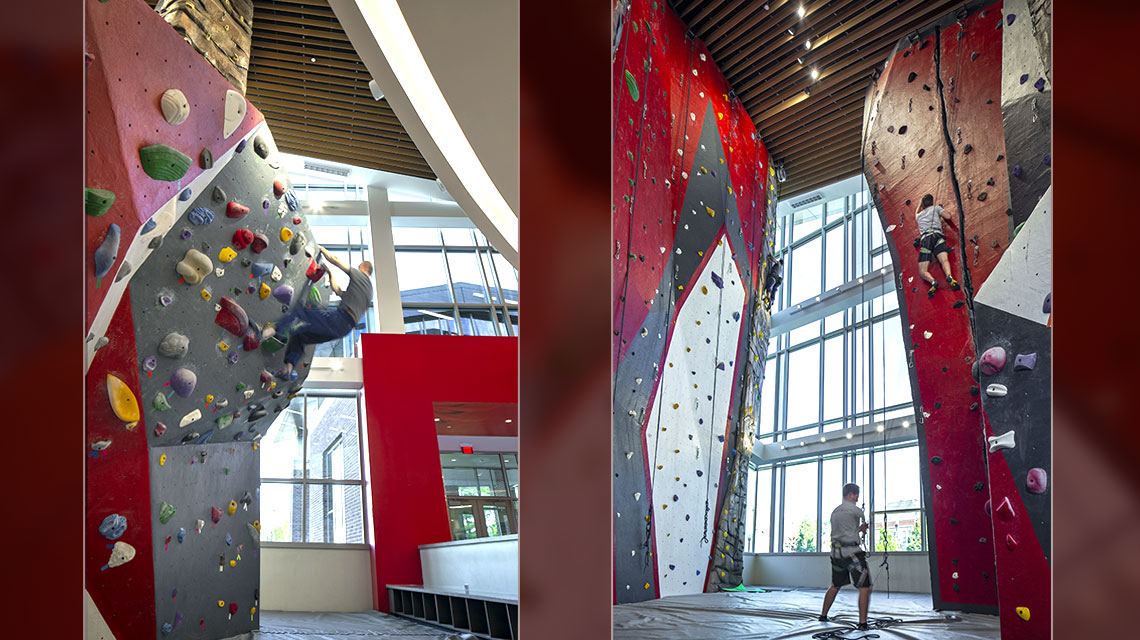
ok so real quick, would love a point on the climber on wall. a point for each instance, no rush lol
(932, 243)
(848, 560)
(306, 326)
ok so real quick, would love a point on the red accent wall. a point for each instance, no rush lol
(403, 376)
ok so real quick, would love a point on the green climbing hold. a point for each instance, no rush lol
(315, 295)
(630, 154)
(1017, 230)
(240, 386)
(635, 27)
(165, 512)
(98, 201)
(160, 402)
(741, 587)
(162, 162)
(225, 420)
(272, 345)
(632, 85)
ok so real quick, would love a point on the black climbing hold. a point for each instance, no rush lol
(925, 88)
(911, 77)
(959, 303)
(260, 148)
(982, 540)
(931, 108)
(973, 390)
(968, 358)
(1009, 212)
(974, 370)
(989, 101)
(891, 129)
(937, 405)
(936, 460)
(908, 203)
(956, 589)
(974, 406)
(986, 576)
(953, 521)
(978, 486)
(954, 561)
(940, 168)
(925, 44)
(921, 152)
(906, 54)
(982, 196)
(973, 56)
(218, 194)
(945, 369)
(968, 149)
(902, 129)
(990, 182)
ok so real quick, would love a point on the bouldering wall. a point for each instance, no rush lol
(931, 124)
(195, 243)
(691, 197)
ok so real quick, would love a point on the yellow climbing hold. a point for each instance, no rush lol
(719, 115)
(226, 254)
(704, 290)
(205, 294)
(264, 292)
(221, 603)
(224, 346)
(710, 210)
(286, 234)
(1023, 613)
(700, 254)
(232, 508)
(123, 400)
(162, 460)
(704, 170)
(209, 398)
(257, 525)
(676, 405)
(233, 563)
(646, 585)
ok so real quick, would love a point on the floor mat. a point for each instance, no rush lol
(793, 613)
(298, 625)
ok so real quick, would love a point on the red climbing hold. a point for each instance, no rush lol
(993, 361)
(260, 242)
(315, 271)
(278, 188)
(242, 238)
(251, 341)
(1005, 510)
(235, 210)
(296, 219)
(215, 514)
(232, 317)
(1010, 542)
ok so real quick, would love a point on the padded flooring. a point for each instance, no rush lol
(793, 613)
(295, 625)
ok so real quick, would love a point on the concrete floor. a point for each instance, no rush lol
(792, 613)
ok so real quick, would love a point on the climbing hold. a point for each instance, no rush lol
(183, 382)
(902, 129)
(982, 196)
(1047, 158)
(185, 195)
(263, 293)
(235, 210)
(160, 403)
(226, 254)
(240, 146)
(1025, 362)
(254, 535)
(993, 360)
(278, 188)
(215, 514)
(936, 460)
(190, 418)
(996, 390)
(97, 201)
(107, 252)
(232, 507)
(315, 271)
(194, 266)
(257, 415)
(1023, 613)
(261, 268)
(911, 77)
(286, 234)
(234, 112)
(165, 512)
(175, 108)
(1010, 18)
(315, 296)
(1004, 441)
(123, 400)
(260, 148)
(291, 200)
(225, 420)
(232, 317)
(121, 553)
(163, 162)
(260, 242)
(124, 271)
(1004, 510)
(113, 526)
(275, 275)
(891, 129)
(200, 216)
(1036, 481)
(206, 159)
(927, 334)
(242, 238)
(1016, 170)
(174, 345)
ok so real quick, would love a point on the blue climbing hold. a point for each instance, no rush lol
(262, 268)
(1047, 305)
(205, 437)
(107, 252)
(1010, 18)
(148, 226)
(1016, 170)
(229, 540)
(1048, 159)
(240, 147)
(1040, 84)
(113, 526)
(185, 195)
(716, 280)
(200, 216)
(167, 628)
(181, 534)
(291, 200)
(1024, 78)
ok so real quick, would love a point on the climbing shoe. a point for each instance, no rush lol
(954, 286)
(287, 377)
(933, 289)
(862, 626)
(824, 619)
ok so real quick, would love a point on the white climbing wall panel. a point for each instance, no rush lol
(1024, 275)
(688, 423)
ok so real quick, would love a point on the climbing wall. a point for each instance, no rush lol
(690, 196)
(176, 388)
(930, 126)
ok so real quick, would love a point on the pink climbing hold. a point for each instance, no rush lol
(1037, 481)
(235, 210)
(242, 238)
(993, 361)
(215, 514)
(1005, 510)
(278, 188)
(232, 317)
(266, 377)
(988, 508)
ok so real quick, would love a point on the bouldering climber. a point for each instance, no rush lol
(848, 559)
(932, 243)
(306, 326)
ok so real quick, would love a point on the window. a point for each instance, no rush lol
(482, 493)
(312, 488)
(801, 499)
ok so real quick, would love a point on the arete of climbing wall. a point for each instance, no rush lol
(690, 198)
(195, 241)
(931, 125)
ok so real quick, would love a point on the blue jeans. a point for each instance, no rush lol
(314, 326)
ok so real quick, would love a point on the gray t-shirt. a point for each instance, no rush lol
(929, 219)
(845, 521)
(355, 297)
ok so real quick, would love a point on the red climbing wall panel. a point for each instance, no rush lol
(402, 378)
(136, 56)
(118, 481)
(946, 89)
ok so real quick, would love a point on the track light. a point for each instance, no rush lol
(807, 44)
(814, 73)
(800, 12)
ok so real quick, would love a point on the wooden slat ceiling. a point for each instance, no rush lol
(322, 109)
(815, 136)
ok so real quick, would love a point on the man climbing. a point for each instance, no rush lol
(313, 326)
(929, 217)
(848, 560)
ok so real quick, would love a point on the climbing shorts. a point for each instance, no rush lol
(930, 245)
(851, 570)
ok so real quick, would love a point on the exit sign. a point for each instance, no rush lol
(467, 448)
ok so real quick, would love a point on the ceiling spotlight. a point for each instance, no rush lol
(800, 11)
(800, 60)
(879, 428)
(807, 44)
(814, 73)
(823, 438)
(906, 423)
(848, 435)
(312, 59)
(791, 33)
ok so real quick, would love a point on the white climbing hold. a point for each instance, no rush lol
(628, 455)
(663, 249)
(938, 486)
(996, 390)
(1004, 441)
(175, 107)
(954, 575)
(190, 418)
(927, 334)
(234, 114)
(276, 275)
(248, 393)
(637, 380)
(925, 414)
(703, 57)
(912, 327)
(219, 272)
(908, 281)
(637, 496)
(890, 228)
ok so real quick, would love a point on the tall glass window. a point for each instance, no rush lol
(482, 493)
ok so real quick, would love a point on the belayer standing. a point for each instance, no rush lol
(932, 243)
(848, 560)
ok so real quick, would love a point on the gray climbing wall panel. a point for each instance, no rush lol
(247, 179)
(187, 579)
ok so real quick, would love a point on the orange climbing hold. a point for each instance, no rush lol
(123, 400)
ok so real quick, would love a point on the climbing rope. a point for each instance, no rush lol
(872, 623)
(712, 406)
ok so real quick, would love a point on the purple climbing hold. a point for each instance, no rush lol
(1016, 170)
(200, 216)
(1047, 305)
(1024, 78)
(1040, 84)
(107, 252)
(993, 361)
(183, 381)
(675, 498)
(284, 294)
(265, 203)
(1037, 481)
(240, 147)
(150, 363)
(700, 473)
(717, 280)
(720, 366)
(186, 234)
(1025, 361)
(177, 619)
(1010, 18)
(1048, 159)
